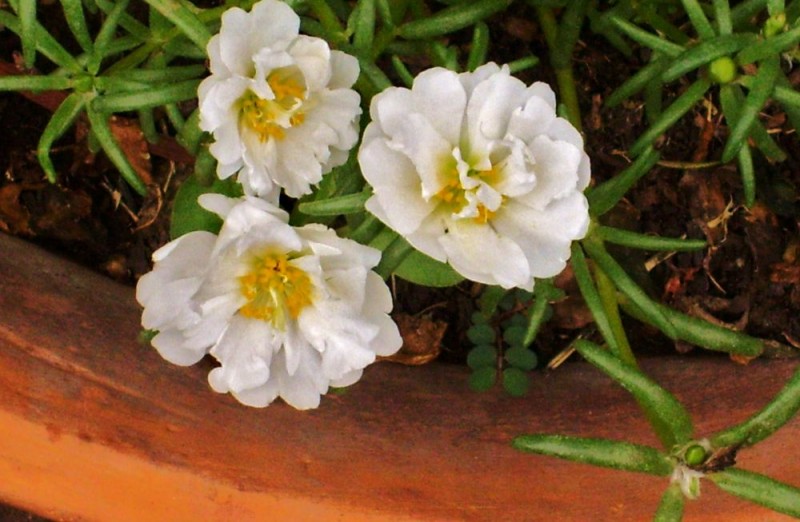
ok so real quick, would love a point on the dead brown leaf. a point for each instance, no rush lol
(14, 217)
(131, 139)
(422, 339)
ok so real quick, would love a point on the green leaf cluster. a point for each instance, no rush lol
(502, 332)
(670, 420)
(717, 50)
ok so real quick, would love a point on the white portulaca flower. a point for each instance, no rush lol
(279, 104)
(286, 311)
(475, 169)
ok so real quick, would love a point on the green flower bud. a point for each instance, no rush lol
(695, 455)
(722, 70)
(775, 24)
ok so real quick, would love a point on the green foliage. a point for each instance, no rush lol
(713, 47)
(502, 332)
(681, 453)
(670, 509)
(120, 87)
(600, 452)
(188, 215)
(757, 488)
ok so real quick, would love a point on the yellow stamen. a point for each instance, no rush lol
(453, 195)
(274, 287)
(271, 118)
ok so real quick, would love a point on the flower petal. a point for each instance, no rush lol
(478, 253)
(438, 94)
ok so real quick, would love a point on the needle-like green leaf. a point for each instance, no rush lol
(144, 99)
(764, 423)
(184, 19)
(336, 206)
(698, 19)
(669, 418)
(760, 90)
(670, 509)
(706, 52)
(646, 242)
(600, 452)
(62, 119)
(653, 41)
(105, 137)
(451, 19)
(27, 19)
(592, 297)
(638, 81)
(671, 114)
(480, 46)
(605, 196)
(628, 286)
(722, 16)
(759, 489)
(76, 20)
(769, 46)
(700, 332)
(45, 43)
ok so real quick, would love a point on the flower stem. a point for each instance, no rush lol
(563, 67)
(328, 19)
(608, 296)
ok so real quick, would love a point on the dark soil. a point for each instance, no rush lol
(747, 280)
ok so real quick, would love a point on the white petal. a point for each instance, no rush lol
(217, 203)
(426, 237)
(344, 70)
(312, 55)
(531, 120)
(347, 379)
(245, 351)
(556, 169)
(233, 41)
(396, 184)
(418, 139)
(388, 340)
(169, 344)
(470, 80)
(303, 389)
(489, 110)
(438, 94)
(258, 397)
(545, 236)
(273, 21)
(478, 253)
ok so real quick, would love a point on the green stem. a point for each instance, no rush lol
(608, 296)
(566, 82)
(327, 17)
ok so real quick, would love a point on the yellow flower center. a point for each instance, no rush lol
(453, 196)
(271, 118)
(275, 289)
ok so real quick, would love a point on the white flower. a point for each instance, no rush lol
(286, 311)
(476, 169)
(279, 104)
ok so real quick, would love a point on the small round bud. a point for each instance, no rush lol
(695, 455)
(722, 70)
(775, 24)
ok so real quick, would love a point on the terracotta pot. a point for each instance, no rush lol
(96, 426)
